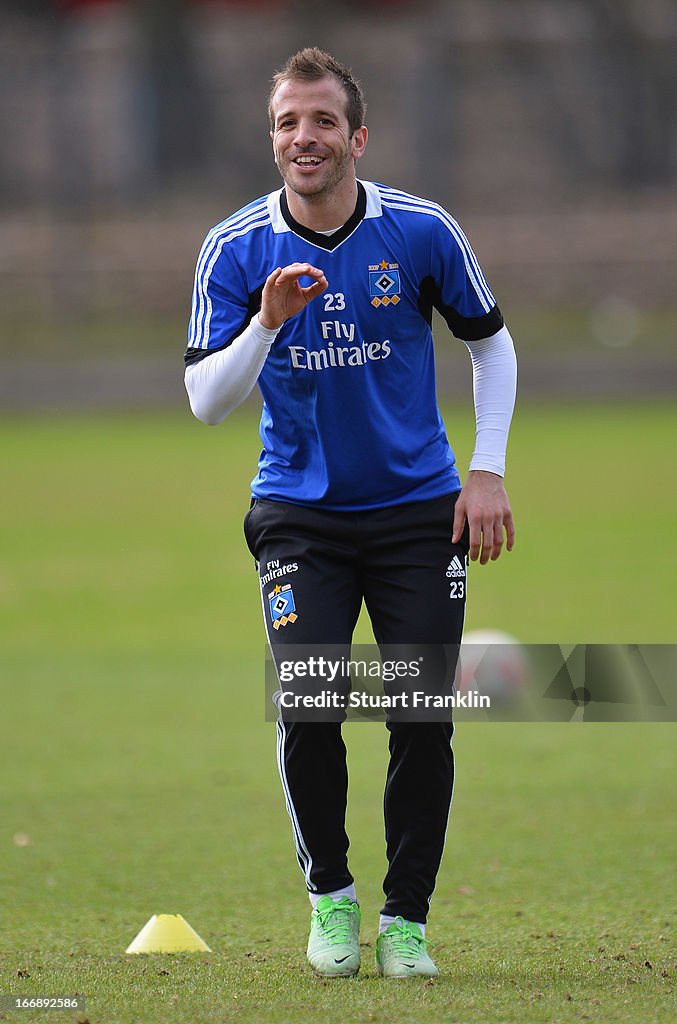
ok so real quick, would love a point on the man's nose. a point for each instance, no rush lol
(306, 132)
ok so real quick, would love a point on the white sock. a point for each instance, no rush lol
(349, 891)
(384, 920)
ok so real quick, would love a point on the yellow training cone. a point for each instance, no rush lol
(168, 933)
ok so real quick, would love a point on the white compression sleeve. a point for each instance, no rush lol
(221, 381)
(494, 367)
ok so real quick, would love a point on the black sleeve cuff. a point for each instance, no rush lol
(196, 355)
(467, 328)
(476, 327)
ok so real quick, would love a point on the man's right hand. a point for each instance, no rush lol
(284, 297)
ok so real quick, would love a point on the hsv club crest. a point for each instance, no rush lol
(384, 283)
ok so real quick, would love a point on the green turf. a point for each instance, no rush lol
(135, 755)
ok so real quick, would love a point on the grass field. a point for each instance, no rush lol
(138, 768)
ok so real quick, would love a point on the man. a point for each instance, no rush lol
(322, 292)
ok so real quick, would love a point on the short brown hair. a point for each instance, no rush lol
(312, 64)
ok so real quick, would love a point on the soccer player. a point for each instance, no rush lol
(322, 293)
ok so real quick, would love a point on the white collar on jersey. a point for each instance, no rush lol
(369, 199)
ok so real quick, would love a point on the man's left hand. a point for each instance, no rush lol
(484, 503)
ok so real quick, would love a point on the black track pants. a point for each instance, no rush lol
(396, 560)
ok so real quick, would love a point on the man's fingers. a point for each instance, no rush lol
(283, 296)
(510, 531)
(487, 541)
(475, 524)
(272, 278)
(315, 289)
(296, 270)
(489, 518)
(497, 539)
(459, 521)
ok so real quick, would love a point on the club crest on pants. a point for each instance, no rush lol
(282, 605)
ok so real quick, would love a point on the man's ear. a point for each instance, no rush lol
(359, 142)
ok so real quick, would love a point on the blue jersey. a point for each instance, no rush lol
(350, 417)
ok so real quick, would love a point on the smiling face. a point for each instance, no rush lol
(314, 150)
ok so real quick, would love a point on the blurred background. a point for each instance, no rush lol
(129, 128)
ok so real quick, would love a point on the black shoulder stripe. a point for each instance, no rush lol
(194, 355)
(467, 328)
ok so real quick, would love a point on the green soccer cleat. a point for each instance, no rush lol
(401, 952)
(334, 940)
